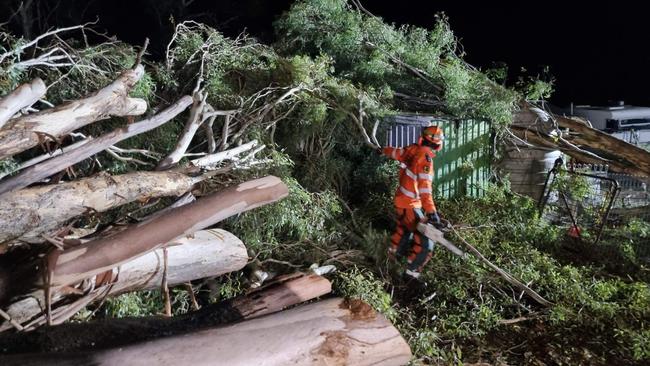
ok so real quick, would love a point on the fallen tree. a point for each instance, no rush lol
(206, 253)
(26, 132)
(273, 297)
(329, 332)
(27, 214)
(72, 265)
(581, 141)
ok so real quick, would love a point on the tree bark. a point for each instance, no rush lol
(78, 263)
(207, 253)
(24, 96)
(43, 170)
(27, 214)
(626, 154)
(330, 332)
(193, 123)
(22, 133)
(282, 293)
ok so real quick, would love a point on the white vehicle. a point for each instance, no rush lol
(627, 122)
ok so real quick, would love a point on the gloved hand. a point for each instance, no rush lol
(435, 220)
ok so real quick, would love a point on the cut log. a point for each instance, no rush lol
(207, 253)
(29, 213)
(76, 264)
(330, 332)
(276, 296)
(43, 170)
(24, 96)
(22, 133)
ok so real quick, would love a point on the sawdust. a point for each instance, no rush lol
(359, 310)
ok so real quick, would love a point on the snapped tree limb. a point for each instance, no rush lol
(71, 157)
(22, 133)
(75, 264)
(283, 292)
(24, 96)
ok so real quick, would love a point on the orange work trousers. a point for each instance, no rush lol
(408, 242)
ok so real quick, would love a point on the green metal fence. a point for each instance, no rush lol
(463, 166)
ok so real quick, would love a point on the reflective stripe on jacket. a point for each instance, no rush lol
(416, 176)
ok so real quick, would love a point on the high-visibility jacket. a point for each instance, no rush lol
(415, 178)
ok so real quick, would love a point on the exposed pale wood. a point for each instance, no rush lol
(276, 296)
(95, 257)
(330, 332)
(193, 123)
(625, 153)
(24, 96)
(28, 213)
(584, 143)
(206, 253)
(212, 159)
(71, 157)
(20, 134)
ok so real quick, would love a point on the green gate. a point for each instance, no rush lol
(463, 166)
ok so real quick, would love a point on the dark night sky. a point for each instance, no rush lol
(596, 53)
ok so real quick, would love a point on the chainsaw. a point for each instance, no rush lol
(437, 235)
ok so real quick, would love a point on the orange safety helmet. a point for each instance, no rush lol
(434, 136)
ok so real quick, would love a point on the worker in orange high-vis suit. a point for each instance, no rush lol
(414, 200)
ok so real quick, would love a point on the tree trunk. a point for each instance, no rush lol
(24, 96)
(29, 213)
(73, 265)
(595, 146)
(102, 334)
(43, 170)
(207, 253)
(330, 332)
(626, 154)
(21, 133)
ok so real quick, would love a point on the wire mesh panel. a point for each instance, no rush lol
(633, 201)
(579, 198)
(463, 166)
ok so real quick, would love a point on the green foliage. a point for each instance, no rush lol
(144, 303)
(357, 283)
(536, 88)
(301, 217)
(381, 56)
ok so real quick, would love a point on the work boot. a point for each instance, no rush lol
(414, 285)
